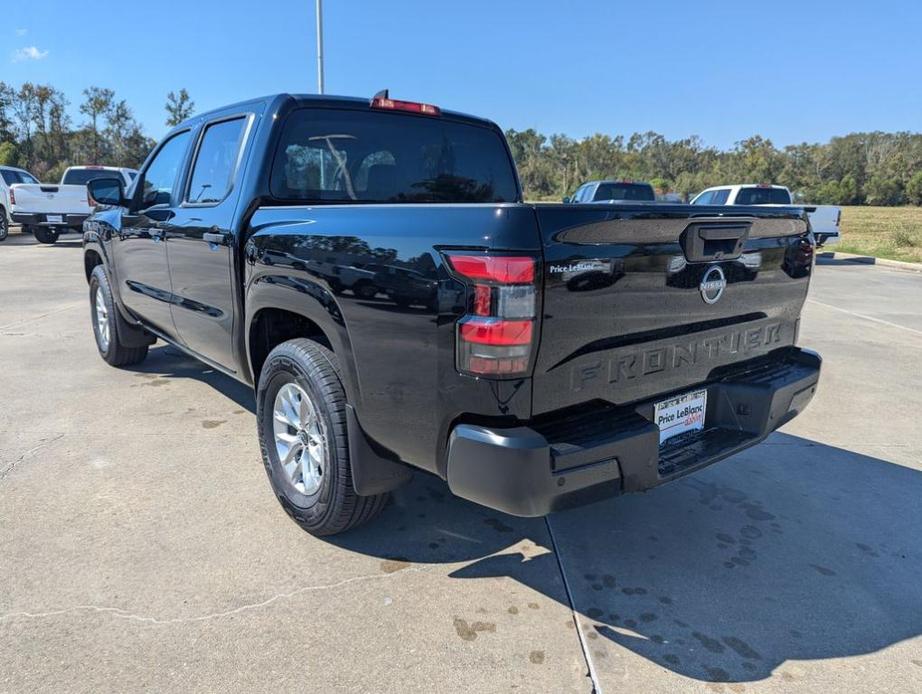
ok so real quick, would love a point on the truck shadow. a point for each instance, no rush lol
(830, 259)
(791, 551)
(165, 361)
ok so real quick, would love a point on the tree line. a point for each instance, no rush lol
(38, 133)
(874, 168)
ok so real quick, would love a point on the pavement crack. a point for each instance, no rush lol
(5, 472)
(584, 647)
(119, 613)
(32, 319)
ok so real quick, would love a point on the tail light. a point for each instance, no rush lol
(496, 337)
(12, 197)
(89, 198)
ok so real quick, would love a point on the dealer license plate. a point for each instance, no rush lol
(54, 219)
(680, 414)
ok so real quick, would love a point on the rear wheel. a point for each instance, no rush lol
(301, 416)
(105, 325)
(45, 234)
(365, 290)
(4, 225)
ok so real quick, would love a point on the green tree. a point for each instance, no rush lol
(8, 154)
(178, 107)
(97, 102)
(882, 190)
(914, 188)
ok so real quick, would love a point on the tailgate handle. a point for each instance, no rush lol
(706, 242)
(720, 233)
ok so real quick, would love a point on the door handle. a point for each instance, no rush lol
(217, 238)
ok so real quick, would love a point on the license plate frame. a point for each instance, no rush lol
(680, 414)
(54, 218)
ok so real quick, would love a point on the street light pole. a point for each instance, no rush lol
(320, 46)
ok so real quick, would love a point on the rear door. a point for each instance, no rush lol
(139, 247)
(646, 300)
(201, 242)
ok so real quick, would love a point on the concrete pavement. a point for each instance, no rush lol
(141, 546)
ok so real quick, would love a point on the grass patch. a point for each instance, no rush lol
(882, 232)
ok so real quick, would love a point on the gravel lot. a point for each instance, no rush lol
(141, 546)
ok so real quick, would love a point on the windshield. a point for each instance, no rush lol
(355, 156)
(763, 196)
(11, 177)
(80, 177)
(624, 191)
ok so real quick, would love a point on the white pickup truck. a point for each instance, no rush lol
(48, 210)
(9, 176)
(824, 219)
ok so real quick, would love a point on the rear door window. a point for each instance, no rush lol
(12, 177)
(705, 198)
(720, 196)
(338, 155)
(216, 162)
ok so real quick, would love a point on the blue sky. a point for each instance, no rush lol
(792, 71)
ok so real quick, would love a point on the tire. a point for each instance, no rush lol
(45, 235)
(365, 290)
(4, 225)
(109, 344)
(323, 503)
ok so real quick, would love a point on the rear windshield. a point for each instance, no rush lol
(80, 177)
(624, 191)
(328, 155)
(11, 177)
(763, 196)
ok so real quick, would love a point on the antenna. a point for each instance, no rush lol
(320, 46)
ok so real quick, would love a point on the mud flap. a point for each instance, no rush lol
(132, 335)
(372, 472)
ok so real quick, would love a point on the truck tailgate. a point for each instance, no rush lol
(645, 300)
(51, 198)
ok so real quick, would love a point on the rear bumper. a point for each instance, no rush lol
(580, 458)
(41, 219)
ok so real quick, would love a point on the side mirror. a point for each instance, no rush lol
(107, 191)
(566, 198)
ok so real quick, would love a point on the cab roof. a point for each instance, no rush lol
(319, 101)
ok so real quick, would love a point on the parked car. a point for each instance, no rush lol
(613, 191)
(9, 176)
(525, 388)
(824, 219)
(48, 210)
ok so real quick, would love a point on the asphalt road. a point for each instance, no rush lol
(141, 547)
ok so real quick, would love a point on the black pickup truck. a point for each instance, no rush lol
(370, 268)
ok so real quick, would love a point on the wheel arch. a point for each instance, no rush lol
(91, 258)
(276, 314)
